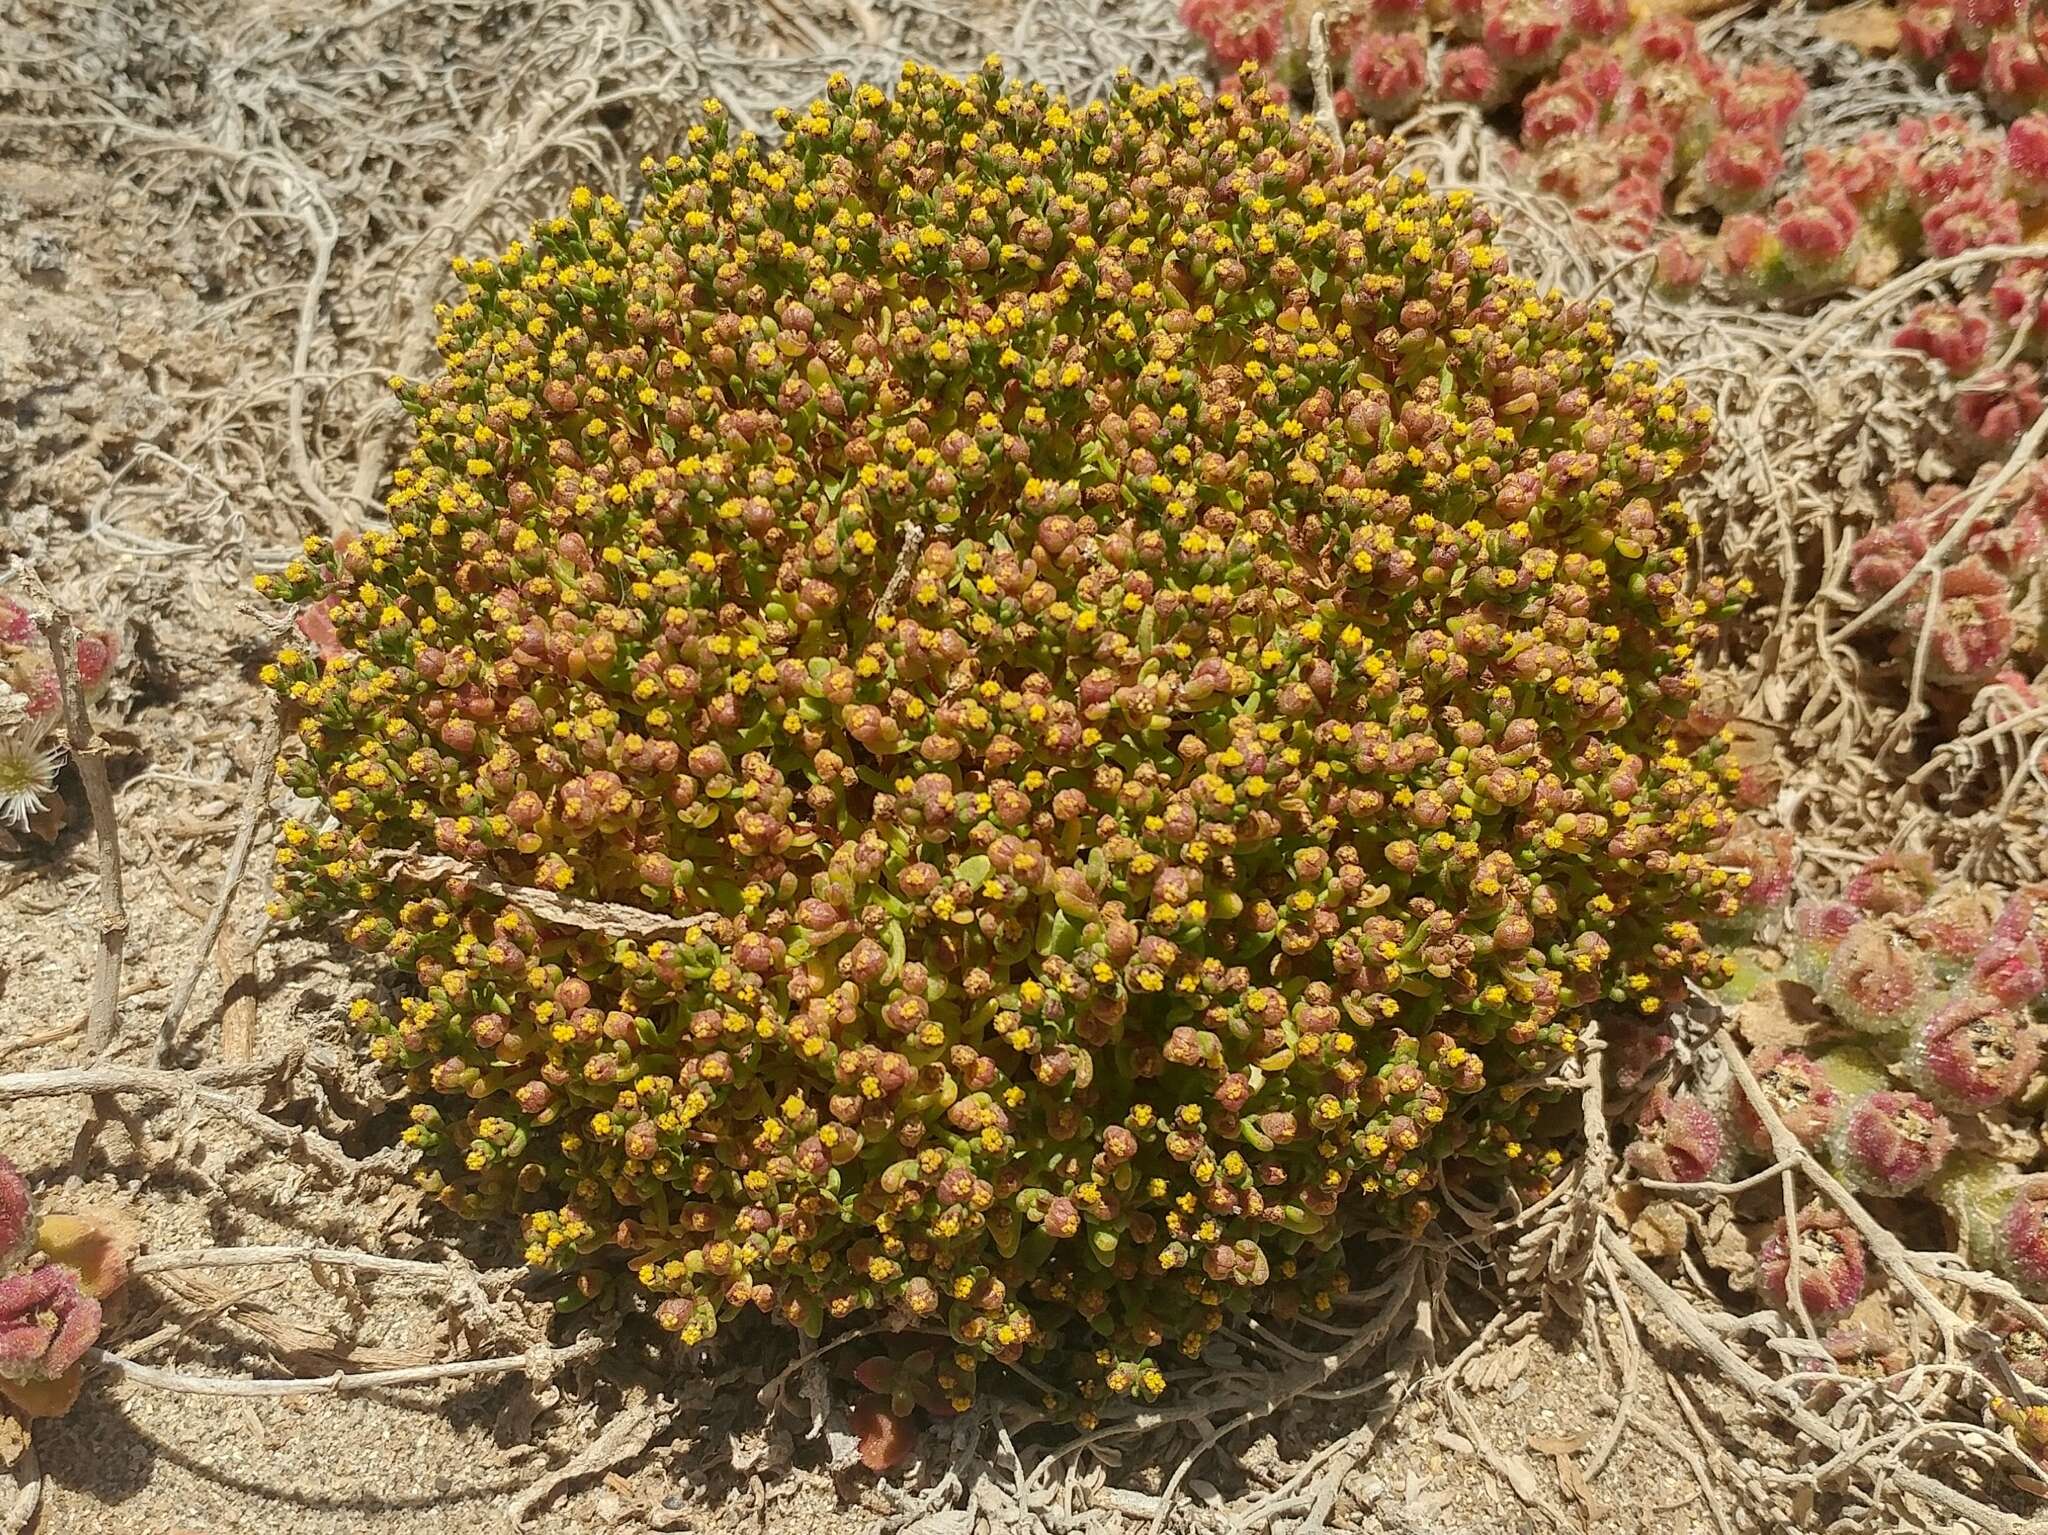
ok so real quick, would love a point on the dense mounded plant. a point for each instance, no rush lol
(1010, 716)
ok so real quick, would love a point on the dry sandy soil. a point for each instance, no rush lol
(221, 225)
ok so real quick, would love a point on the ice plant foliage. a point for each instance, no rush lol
(1997, 48)
(1828, 1256)
(54, 1273)
(1148, 660)
(1932, 987)
(1975, 589)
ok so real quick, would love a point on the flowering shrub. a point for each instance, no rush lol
(31, 709)
(1035, 713)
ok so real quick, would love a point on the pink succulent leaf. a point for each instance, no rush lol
(1830, 1263)
(2020, 1238)
(1953, 335)
(1890, 1143)
(2015, 74)
(1468, 74)
(1389, 74)
(1681, 265)
(1927, 31)
(1973, 624)
(1739, 170)
(1877, 982)
(47, 1322)
(1892, 884)
(1955, 924)
(2026, 160)
(17, 1217)
(1974, 1053)
(1679, 1139)
(1762, 98)
(2010, 965)
(1598, 20)
(1970, 220)
(1525, 36)
(1797, 1090)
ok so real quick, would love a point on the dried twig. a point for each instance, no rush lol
(607, 917)
(253, 806)
(625, 1437)
(27, 1476)
(89, 753)
(177, 1258)
(538, 1361)
(109, 1081)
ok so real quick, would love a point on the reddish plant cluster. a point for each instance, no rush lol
(56, 1273)
(1627, 120)
(1931, 987)
(1653, 126)
(1997, 48)
(1927, 187)
(1956, 573)
(1149, 664)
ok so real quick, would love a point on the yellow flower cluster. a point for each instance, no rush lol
(1129, 675)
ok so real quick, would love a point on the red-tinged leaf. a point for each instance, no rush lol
(99, 1244)
(886, 1440)
(45, 1398)
(877, 1374)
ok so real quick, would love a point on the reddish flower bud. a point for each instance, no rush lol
(1389, 73)
(1796, 1089)
(1890, 1143)
(1597, 21)
(1679, 1140)
(1952, 335)
(1830, 1263)
(1973, 1053)
(1524, 35)
(1738, 170)
(2026, 160)
(1555, 110)
(1927, 31)
(1468, 74)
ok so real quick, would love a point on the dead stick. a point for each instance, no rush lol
(103, 1082)
(253, 805)
(89, 751)
(340, 1383)
(272, 1257)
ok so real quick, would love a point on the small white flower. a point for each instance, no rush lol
(28, 775)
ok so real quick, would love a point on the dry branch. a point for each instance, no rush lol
(109, 1081)
(607, 917)
(253, 805)
(176, 1259)
(89, 752)
(536, 1362)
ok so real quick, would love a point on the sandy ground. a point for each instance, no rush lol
(220, 225)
